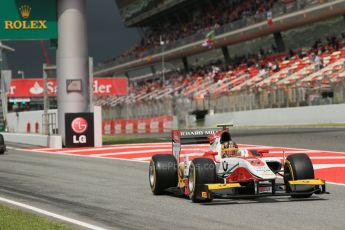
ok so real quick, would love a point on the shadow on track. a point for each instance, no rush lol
(241, 201)
(261, 201)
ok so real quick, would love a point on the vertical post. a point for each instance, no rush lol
(162, 43)
(91, 83)
(3, 95)
(71, 59)
(163, 65)
(185, 63)
(1, 55)
(278, 38)
(226, 54)
(153, 70)
(45, 102)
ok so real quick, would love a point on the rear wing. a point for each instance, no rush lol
(189, 137)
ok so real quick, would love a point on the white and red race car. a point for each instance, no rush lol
(226, 171)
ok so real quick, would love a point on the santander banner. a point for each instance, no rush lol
(34, 87)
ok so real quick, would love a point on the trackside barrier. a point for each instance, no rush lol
(53, 141)
(160, 124)
(28, 127)
(36, 127)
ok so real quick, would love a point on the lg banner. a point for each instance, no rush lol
(79, 130)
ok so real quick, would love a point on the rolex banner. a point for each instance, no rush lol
(28, 19)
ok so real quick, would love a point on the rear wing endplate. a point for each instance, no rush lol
(189, 137)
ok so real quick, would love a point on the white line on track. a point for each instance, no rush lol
(335, 183)
(51, 214)
(130, 152)
(287, 148)
(181, 155)
(10, 147)
(43, 149)
(324, 166)
(293, 151)
(168, 150)
(281, 158)
(112, 148)
(120, 146)
(80, 155)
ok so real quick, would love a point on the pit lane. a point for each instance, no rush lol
(115, 194)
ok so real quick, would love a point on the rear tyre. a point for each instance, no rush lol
(2, 144)
(298, 167)
(201, 171)
(162, 173)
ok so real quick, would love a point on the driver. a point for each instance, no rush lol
(229, 149)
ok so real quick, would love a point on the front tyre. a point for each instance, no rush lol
(162, 173)
(298, 167)
(201, 171)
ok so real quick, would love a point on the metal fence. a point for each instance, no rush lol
(141, 109)
(247, 99)
(272, 97)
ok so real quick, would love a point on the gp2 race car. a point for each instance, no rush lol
(226, 171)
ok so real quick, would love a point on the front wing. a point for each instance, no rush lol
(231, 190)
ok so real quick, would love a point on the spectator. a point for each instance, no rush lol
(318, 61)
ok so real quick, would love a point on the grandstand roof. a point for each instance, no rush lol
(193, 45)
(146, 12)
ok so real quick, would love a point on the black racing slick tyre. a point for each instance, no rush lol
(298, 167)
(162, 173)
(201, 171)
(2, 144)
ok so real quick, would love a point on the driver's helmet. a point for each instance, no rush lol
(229, 149)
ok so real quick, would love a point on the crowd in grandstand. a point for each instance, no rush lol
(204, 17)
(185, 82)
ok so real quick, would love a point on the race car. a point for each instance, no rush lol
(226, 171)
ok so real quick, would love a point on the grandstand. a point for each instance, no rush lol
(295, 57)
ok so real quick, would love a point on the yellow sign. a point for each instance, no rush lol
(28, 19)
(25, 11)
(26, 25)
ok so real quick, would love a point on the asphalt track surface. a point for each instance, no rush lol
(115, 194)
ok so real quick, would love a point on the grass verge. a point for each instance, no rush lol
(11, 218)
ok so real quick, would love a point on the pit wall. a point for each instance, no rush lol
(31, 122)
(281, 116)
(53, 141)
(26, 128)
(27, 122)
(18, 123)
